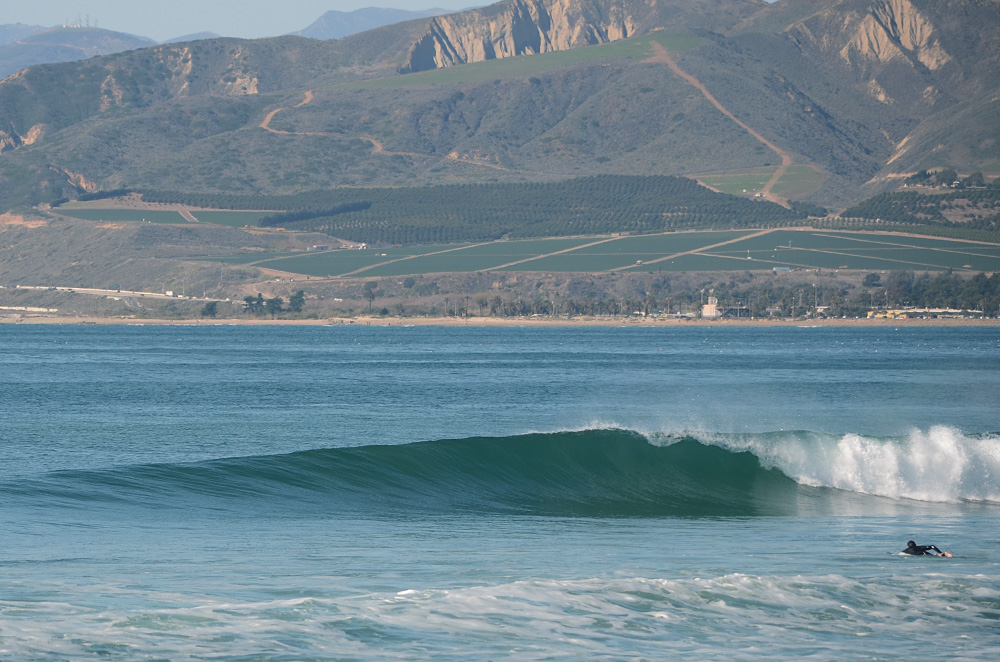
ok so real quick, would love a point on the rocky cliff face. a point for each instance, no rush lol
(523, 27)
(893, 46)
(14, 140)
(895, 30)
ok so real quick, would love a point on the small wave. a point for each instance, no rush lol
(587, 473)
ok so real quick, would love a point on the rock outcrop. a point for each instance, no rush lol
(895, 30)
(521, 27)
(13, 140)
(239, 78)
(892, 47)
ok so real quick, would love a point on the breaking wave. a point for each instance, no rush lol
(590, 473)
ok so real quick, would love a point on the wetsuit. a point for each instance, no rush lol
(918, 550)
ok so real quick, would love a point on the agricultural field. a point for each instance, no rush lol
(248, 258)
(347, 262)
(798, 181)
(738, 182)
(735, 250)
(625, 252)
(122, 215)
(233, 219)
(481, 257)
(813, 249)
(459, 213)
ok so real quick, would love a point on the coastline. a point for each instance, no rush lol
(492, 322)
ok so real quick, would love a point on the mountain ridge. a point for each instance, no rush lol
(532, 27)
(65, 45)
(13, 32)
(339, 24)
(861, 90)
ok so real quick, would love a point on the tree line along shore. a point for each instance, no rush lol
(595, 298)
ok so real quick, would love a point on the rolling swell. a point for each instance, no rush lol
(592, 473)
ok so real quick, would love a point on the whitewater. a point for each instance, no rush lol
(339, 493)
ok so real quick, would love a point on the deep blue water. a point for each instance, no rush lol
(347, 493)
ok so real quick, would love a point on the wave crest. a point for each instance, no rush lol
(939, 465)
(589, 473)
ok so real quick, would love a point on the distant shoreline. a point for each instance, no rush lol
(492, 322)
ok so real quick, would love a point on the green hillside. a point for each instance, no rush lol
(823, 94)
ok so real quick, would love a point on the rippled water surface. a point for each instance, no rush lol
(342, 493)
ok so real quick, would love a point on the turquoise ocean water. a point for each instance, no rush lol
(361, 493)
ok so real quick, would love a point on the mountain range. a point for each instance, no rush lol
(62, 45)
(858, 92)
(25, 45)
(13, 32)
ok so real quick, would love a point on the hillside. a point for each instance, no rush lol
(530, 27)
(924, 74)
(11, 32)
(64, 45)
(197, 36)
(862, 92)
(339, 24)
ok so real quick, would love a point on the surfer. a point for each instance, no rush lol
(924, 550)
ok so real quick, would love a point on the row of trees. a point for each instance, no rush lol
(981, 208)
(981, 293)
(258, 306)
(947, 290)
(897, 290)
(483, 212)
(740, 297)
(946, 177)
(287, 218)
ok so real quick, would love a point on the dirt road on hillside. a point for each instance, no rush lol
(663, 56)
(377, 146)
(266, 123)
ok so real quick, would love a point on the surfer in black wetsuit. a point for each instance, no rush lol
(924, 550)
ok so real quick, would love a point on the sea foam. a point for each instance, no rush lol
(941, 464)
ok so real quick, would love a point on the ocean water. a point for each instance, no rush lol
(371, 493)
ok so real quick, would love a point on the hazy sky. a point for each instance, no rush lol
(165, 19)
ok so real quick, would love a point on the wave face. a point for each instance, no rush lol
(591, 473)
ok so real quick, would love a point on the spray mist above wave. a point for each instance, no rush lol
(939, 465)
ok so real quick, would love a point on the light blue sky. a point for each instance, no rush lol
(165, 19)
